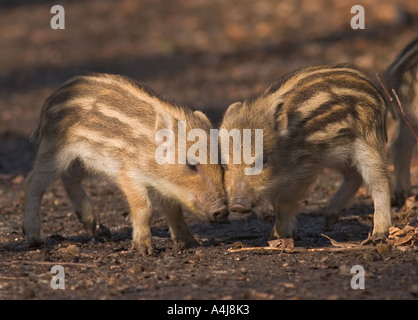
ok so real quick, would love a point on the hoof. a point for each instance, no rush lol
(190, 243)
(103, 234)
(34, 242)
(143, 250)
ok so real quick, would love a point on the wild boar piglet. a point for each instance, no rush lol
(108, 125)
(316, 117)
(402, 76)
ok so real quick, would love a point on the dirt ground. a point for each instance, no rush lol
(204, 54)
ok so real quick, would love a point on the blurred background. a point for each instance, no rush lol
(204, 54)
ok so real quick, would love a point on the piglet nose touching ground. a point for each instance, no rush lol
(221, 215)
(240, 206)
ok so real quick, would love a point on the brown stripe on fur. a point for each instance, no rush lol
(404, 62)
(311, 85)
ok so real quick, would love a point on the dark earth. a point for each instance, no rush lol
(204, 54)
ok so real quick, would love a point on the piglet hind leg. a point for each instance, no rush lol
(36, 183)
(343, 197)
(179, 230)
(403, 148)
(372, 165)
(83, 208)
(40, 178)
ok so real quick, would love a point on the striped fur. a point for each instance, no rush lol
(106, 124)
(322, 116)
(402, 76)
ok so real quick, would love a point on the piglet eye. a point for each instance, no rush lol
(265, 161)
(192, 167)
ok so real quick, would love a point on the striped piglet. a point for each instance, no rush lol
(402, 76)
(316, 117)
(107, 125)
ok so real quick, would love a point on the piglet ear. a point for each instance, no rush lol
(202, 117)
(233, 109)
(164, 130)
(280, 119)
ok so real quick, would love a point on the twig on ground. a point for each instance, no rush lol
(254, 248)
(12, 278)
(300, 250)
(340, 245)
(51, 263)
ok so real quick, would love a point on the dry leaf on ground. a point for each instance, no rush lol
(401, 237)
(281, 243)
